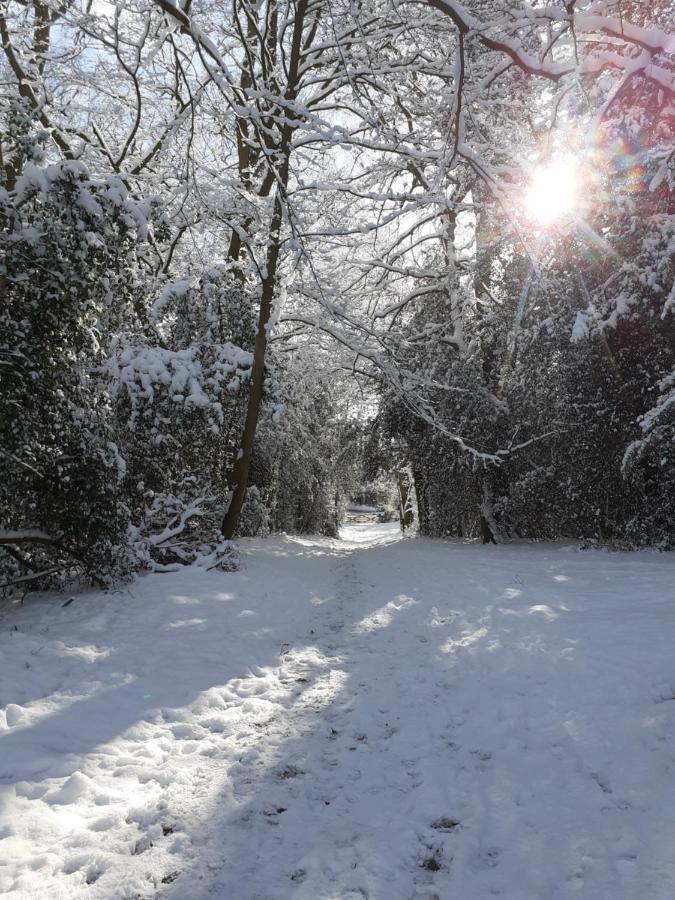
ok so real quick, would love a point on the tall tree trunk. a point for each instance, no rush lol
(242, 463)
(405, 510)
(489, 530)
(29, 82)
(421, 485)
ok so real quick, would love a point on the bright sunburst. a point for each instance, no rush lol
(553, 191)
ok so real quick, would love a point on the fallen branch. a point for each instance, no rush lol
(32, 577)
(8, 538)
(172, 529)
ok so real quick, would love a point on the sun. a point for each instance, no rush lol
(552, 193)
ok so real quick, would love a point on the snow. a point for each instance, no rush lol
(140, 372)
(24, 535)
(374, 717)
(173, 290)
(666, 400)
(38, 180)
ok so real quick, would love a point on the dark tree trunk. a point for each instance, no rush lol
(486, 534)
(242, 463)
(489, 530)
(405, 511)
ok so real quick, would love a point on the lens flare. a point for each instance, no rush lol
(553, 191)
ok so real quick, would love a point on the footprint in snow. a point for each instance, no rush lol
(272, 813)
(602, 783)
(289, 771)
(482, 755)
(431, 863)
(445, 824)
(488, 857)
(142, 844)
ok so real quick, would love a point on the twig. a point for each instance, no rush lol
(28, 538)
(24, 578)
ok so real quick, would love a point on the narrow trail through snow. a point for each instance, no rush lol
(375, 718)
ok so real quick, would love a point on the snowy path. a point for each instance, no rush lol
(370, 718)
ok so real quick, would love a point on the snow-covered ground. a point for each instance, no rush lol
(366, 718)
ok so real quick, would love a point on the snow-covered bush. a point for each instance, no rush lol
(70, 270)
(178, 388)
(254, 519)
